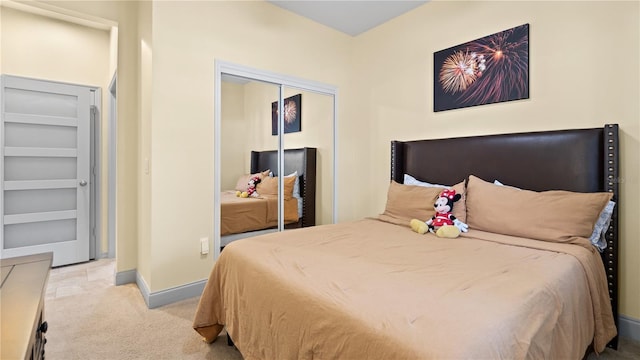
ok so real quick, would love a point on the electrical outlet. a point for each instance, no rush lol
(204, 246)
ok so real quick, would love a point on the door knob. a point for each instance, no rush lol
(83, 182)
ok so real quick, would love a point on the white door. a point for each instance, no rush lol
(45, 169)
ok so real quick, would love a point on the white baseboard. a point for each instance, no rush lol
(629, 327)
(162, 297)
(168, 296)
(126, 277)
(144, 289)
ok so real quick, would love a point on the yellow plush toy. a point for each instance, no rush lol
(418, 226)
(251, 188)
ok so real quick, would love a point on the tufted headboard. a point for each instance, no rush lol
(581, 160)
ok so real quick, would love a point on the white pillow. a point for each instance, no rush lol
(496, 182)
(410, 180)
(597, 238)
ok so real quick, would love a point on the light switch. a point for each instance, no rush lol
(204, 246)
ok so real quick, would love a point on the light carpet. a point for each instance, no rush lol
(90, 318)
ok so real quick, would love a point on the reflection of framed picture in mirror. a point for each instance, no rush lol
(292, 114)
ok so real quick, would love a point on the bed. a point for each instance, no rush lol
(373, 288)
(244, 217)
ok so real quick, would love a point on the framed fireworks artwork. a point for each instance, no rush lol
(488, 70)
(292, 115)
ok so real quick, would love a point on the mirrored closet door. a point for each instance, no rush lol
(266, 125)
(308, 123)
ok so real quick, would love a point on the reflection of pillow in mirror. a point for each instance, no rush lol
(243, 180)
(296, 184)
(269, 186)
(296, 191)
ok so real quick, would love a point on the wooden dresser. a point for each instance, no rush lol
(24, 283)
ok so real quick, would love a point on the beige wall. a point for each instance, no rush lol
(145, 90)
(574, 83)
(45, 48)
(113, 50)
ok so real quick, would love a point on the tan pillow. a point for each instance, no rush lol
(556, 215)
(269, 186)
(406, 202)
(243, 180)
(460, 207)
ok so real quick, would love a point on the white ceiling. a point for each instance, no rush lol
(351, 17)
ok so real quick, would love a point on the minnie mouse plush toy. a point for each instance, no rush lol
(253, 183)
(443, 223)
(251, 188)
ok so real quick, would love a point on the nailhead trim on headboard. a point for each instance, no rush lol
(393, 160)
(397, 161)
(610, 255)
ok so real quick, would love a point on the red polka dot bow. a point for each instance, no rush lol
(448, 193)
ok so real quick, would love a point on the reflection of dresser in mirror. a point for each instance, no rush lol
(24, 283)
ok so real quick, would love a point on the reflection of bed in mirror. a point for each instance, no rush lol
(244, 217)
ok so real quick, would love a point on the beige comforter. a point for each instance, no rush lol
(371, 289)
(240, 215)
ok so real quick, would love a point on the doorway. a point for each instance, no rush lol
(49, 181)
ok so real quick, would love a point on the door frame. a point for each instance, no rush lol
(223, 67)
(95, 232)
(95, 223)
(112, 166)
